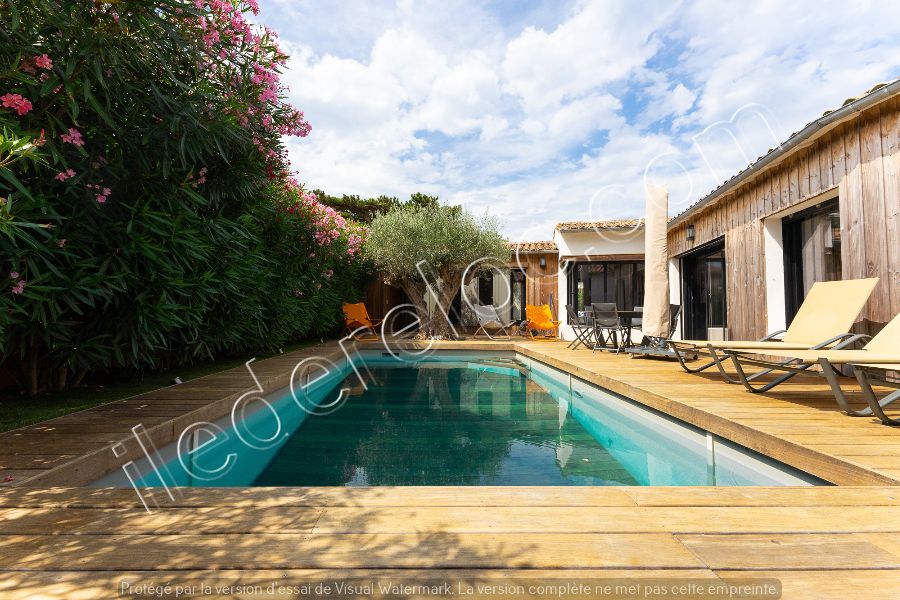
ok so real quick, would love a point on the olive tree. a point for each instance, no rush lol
(442, 242)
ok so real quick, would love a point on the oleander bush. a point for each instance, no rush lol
(148, 215)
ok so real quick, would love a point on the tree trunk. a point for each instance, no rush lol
(62, 374)
(416, 294)
(78, 378)
(436, 323)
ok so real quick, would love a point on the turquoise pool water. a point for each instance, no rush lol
(464, 421)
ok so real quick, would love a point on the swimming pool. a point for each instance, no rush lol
(454, 418)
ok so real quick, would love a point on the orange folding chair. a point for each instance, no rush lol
(539, 318)
(356, 316)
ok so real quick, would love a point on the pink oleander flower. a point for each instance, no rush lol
(61, 243)
(43, 62)
(17, 103)
(73, 137)
(101, 198)
(106, 191)
(63, 175)
(13, 274)
(20, 287)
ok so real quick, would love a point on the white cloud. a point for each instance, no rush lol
(533, 113)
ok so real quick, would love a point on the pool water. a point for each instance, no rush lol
(453, 419)
(445, 426)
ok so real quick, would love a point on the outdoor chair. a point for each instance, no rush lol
(638, 322)
(880, 355)
(539, 318)
(489, 317)
(581, 327)
(823, 321)
(356, 317)
(608, 328)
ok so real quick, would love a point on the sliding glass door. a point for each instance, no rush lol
(621, 282)
(703, 293)
(812, 251)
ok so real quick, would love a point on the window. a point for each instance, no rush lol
(517, 293)
(619, 282)
(812, 251)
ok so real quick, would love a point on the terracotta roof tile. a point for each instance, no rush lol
(608, 224)
(542, 246)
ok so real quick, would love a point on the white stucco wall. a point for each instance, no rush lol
(591, 243)
(584, 244)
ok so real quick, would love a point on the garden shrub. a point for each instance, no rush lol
(148, 216)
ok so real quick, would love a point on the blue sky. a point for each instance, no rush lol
(547, 111)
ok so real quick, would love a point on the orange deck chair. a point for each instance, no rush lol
(356, 316)
(539, 318)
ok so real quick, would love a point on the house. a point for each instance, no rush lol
(599, 261)
(823, 205)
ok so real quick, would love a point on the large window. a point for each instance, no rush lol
(619, 282)
(812, 251)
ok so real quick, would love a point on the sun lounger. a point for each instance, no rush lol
(880, 355)
(823, 321)
(539, 318)
(489, 317)
(356, 318)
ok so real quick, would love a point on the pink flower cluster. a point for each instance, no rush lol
(328, 225)
(73, 137)
(102, 193)
(31, 64)
(200, 180)
(238, 54)
(18, 284)
(63, 175)
(16, 102)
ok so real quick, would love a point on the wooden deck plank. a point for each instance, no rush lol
(828, 584)
(420, 550)
(70, 585)
(409, 520)
(778, 551)
(324, 496)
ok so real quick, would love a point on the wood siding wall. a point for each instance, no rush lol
(540, 282)
(381, 297)
(861, 159)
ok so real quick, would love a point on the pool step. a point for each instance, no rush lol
(504, 363)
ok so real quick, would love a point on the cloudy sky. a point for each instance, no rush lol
(548, 110)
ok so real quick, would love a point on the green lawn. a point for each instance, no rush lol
(17, 410)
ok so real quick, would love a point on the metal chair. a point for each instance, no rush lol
(489, 317)
(582, 327)
(607, 326)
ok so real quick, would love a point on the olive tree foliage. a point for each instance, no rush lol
(442, 242)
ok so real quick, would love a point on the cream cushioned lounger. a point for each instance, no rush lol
(823, 320)
(880, 355)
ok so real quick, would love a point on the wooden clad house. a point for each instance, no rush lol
(823, 205)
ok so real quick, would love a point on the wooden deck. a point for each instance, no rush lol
(70, 542)
(817, 542)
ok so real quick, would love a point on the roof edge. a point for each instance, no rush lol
(824, 123)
